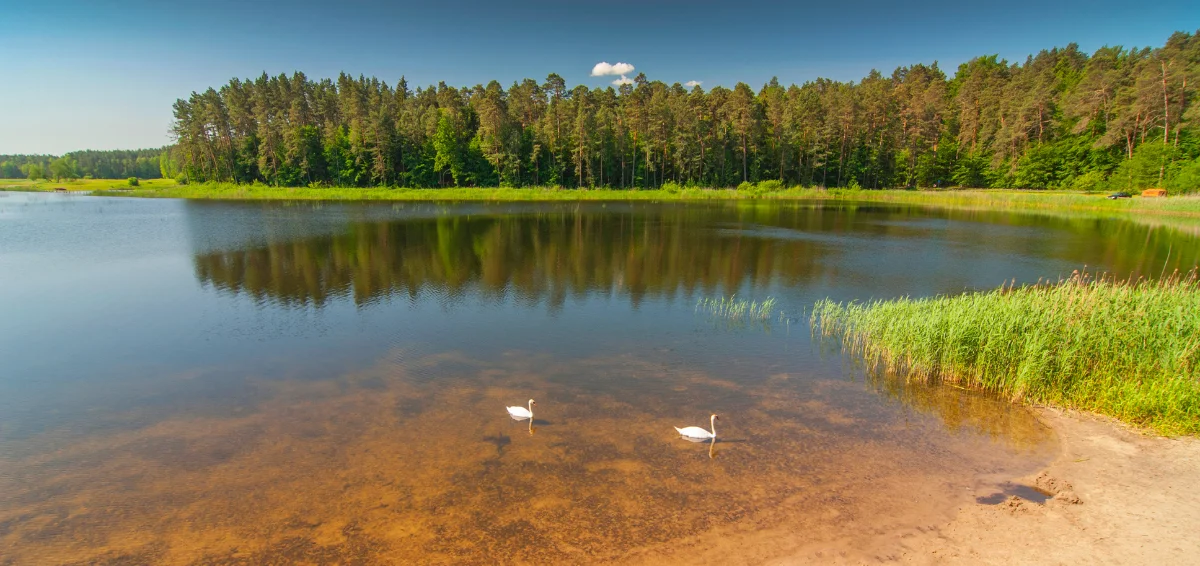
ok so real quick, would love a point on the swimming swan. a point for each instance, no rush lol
(697, 432)
(521, 413)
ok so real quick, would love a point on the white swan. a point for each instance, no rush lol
(521, 413)
(699, 433)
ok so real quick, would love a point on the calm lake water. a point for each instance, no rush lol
(249, 383)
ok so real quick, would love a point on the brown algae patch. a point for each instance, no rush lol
(418, 462)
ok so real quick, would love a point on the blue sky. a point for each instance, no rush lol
(103, 75)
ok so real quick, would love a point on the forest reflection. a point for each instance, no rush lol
(540, 256)
(552, 252)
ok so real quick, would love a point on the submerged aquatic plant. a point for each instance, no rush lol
(1125, 348)
(733, 308)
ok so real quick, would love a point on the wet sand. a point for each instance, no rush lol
(417, 462)
(1113, 495)
(1121, 497)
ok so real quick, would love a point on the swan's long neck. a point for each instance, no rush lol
(712, 424)
(531, 411)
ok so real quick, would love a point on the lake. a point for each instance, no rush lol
(246, 383)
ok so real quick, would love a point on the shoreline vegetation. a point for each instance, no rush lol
(1125, 349)
(1182, 207)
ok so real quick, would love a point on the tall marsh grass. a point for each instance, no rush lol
(1128, 349)
(735, 309)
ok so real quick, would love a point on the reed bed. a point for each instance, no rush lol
(735, 309)
(1124, 348)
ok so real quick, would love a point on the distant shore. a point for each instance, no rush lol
(966, 199)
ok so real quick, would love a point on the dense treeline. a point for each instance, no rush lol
(25, 166)
(1121, 118)
(113, 164)
(1062, 119)
(141, 163)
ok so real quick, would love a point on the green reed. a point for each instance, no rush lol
(733, 308)
(1127, 349)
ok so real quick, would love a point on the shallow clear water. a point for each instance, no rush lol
(202, 382)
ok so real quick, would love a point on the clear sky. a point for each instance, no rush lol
(96, 74)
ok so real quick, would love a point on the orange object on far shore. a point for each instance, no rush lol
(1154, 193)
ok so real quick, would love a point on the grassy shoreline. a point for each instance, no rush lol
(1126, 349)
(1186, 207)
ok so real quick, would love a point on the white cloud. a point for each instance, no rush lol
(693, 83)
(624, 80)
(603, 68)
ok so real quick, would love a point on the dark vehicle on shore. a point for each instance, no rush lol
(1116, 196)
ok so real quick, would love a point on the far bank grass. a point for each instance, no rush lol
(970, 199)
(77, 185)
(1049, 201)
(225, 191)
(1130, 350)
